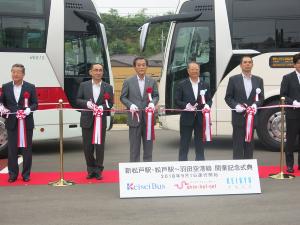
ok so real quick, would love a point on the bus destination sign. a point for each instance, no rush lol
(281, 61)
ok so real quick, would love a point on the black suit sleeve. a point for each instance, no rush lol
(229, 97)
(179, 96)
(33, 99)
(80, 101)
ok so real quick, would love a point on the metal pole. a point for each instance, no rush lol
(281, 175)
(61, 182)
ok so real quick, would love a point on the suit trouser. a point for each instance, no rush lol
(94, 165)
(292, 130)
(185, 139)
(136, 134)
(13, 167)
(241, 149)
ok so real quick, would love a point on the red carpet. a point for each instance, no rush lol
(43, 178)
(109, 176)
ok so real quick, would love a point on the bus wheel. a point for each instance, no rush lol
(269, 127)
(3, 139)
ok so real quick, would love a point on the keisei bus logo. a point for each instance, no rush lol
(150, 186)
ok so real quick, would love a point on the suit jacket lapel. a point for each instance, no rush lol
(147, 84)
(99, 99)
(243, 86)
(90, 90)
(138, 87)
(254, 87)
(11, 92)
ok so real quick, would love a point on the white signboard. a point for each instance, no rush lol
(219, 177)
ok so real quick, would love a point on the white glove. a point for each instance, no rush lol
(100, 107)
(254, 106)
(189, 107)
(239, 108)
(89, 104)
(296, 103)
(27, 111)
(133, 108)
(206, 106)
(3, 110)
(151, 105)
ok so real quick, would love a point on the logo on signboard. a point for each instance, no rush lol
(150, 186)
(194, 185)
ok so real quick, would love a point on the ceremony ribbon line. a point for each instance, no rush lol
(22, 137)
(97, 136)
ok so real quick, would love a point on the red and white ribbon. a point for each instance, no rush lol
(97, 132)
(150, 135)
(26, 97)
(206, 118)
(250, 112)
(258, 90)
(202, 94)
(22, 137)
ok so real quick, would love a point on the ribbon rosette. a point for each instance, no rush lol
(22, 140)
(26, 97)
(206, 124)
(258, 91)
(149, 90)
(97, 131)
(202, 94)
(150, 135)
(106, 98)
(250, 112)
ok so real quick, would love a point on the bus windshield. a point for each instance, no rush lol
(192, 41)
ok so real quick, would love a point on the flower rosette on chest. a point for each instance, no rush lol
(257, 92)
(149, 91)
(106, 98)
(26, 96)
(202, 96)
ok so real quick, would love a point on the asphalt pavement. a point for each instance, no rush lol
(94, 204)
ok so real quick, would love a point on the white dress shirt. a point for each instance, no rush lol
(17, 91)
(247, 84)
(141, 85)
(96, 90)
(195, 87)
(298, 75)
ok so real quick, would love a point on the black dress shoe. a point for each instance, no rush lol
(12, 179)
(90, 176)
(26, 179)
(98, 176)
(290, 170)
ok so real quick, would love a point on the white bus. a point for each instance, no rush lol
(216, 33)
(56, 41)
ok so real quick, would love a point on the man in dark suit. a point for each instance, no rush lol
(290, 89)
(135, 97)
(188, 97)
(91, 94)
(19, 95)
(244, 90)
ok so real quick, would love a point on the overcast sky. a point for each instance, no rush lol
(128, 7)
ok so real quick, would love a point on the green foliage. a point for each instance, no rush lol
(123, 36)
(120, 118)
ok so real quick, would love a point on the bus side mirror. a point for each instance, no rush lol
(143, 35)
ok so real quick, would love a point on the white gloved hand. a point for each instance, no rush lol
(239, 108)
(189, 107)
(151, 105)
(206, 106)
(254, 106)
(27, 111)
(296, 103)
(89, 104)
(100, 107)
(3, 110)
(133, 108)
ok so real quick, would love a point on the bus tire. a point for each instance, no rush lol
(269, 127)
(3, 139)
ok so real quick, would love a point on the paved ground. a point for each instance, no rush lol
(100, 203)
